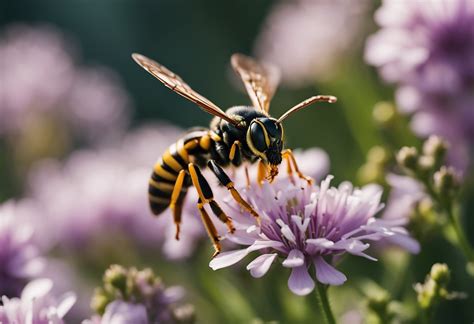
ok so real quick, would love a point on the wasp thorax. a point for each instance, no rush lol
(265, 139)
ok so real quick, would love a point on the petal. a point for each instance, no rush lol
(300, 282)
(120, 312)
(405, 242)
(354, 247)
(36, 289)
(66, 303)
(229, 258)
(262, 244)
(259, 267)
(313, 246)
(327, 274)
(295, 259)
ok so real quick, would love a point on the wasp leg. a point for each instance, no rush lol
(225, 180)
(210, 228)
(206, 195)
(234, 153)
(247, 177)
(261, 172)
(176, 203)
(290, 159)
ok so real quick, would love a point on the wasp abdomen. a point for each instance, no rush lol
(166, 169)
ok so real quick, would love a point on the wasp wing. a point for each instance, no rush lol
(260, 80)
(175, 83)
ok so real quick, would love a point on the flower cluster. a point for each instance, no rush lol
(307, 224)
(19, 254)
(133, 296)
(42, 85)
(426, 47)
(104, 191)
(307, 38)
(37, 305)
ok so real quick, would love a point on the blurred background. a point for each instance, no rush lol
(79, 115)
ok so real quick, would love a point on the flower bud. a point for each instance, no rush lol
(378, 302)
(435, 147)
(116, 277)
(426, 165)
(440, 274)
(185, 314)
(384, 113)
(407, 158)
(379, 155)
(445, 182)
(99, 301)
(434, 289)
(426, 293)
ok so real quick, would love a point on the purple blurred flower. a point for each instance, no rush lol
(19, 255)
(307, 39)
(97, 194)
(40, 80)
(121, 312)
(310, 225)
(406, 192)
(427, 49)
(133, 296)
(37, 305)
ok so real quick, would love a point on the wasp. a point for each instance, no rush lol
(239, 134)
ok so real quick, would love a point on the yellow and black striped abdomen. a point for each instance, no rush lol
(167, 168)
(164, 175)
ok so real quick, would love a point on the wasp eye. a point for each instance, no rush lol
(257, 133)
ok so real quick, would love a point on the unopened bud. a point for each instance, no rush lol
(445, 181)
(440, 274)
(426, 165)
(116, 276)
(434, 289)
(379, 155)
(427, 293)
(99, 301)
(384, 113)
(370, 172)
(407, 158)
(185, 314)
(436, 147)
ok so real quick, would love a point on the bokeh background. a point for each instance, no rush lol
(195, 39)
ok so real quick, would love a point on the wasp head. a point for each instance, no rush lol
(265, 140)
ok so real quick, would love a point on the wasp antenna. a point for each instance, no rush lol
(307, 102)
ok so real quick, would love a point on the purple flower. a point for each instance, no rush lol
(121, 312)
(100, 194)
(19, 254)
(426, 47)
(406, 192)
(308, 39)
(309, 225)
(133, 296)
(42, 85)
(37, 305)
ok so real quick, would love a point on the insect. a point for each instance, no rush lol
(240, 134)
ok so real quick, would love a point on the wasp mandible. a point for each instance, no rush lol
(239, 134)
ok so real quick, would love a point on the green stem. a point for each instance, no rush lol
(323, 301)
(462, 240)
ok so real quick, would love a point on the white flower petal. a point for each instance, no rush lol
(295, 259)
(327, 274)
(300, 282)
(259, 267)
(263, 244)
(65, 304)
(36, 289)
(286, 231)
(229, 258)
